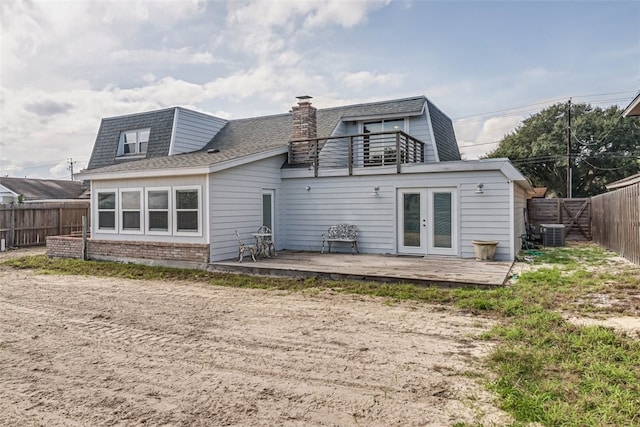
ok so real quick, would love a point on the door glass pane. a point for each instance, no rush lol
(411, 220)
(442, 221)
(266, 211)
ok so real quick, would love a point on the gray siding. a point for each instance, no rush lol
(236, 204)
(419, 128)
(194, 130)
(333, 200)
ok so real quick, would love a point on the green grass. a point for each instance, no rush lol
(545, 369)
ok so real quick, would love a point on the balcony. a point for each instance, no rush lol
(357, 151)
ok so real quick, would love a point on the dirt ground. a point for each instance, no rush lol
(97, 351)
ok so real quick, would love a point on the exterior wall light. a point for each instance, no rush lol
(479, 189)
(375, 191)
(307, 188)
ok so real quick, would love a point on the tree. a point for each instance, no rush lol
(605, 147)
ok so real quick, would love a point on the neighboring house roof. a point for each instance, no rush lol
(624, 182)
(633, 109)
(538, 193)
(247, 137)
(43, 189)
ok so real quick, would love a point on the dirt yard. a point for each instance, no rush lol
(96, 351)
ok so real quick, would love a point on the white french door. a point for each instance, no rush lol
(412, 221)
(427, 221)
(443, 221)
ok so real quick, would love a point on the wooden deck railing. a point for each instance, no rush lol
(357, 151)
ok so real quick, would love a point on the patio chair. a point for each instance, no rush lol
(264, 239)
(242, 248)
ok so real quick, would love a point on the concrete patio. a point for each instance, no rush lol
(427, 271)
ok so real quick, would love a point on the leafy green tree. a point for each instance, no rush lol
(605, 147)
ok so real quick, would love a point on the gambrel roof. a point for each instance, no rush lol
(266, 134)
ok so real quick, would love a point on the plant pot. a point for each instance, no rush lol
(485, 250)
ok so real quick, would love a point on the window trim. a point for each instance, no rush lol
(199, 210)
(121, 211)
(115, 210)
(137, 152)
(148, 231)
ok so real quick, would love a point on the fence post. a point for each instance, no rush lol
(12, 225)
(84, 238)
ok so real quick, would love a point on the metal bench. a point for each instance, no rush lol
(347, 233)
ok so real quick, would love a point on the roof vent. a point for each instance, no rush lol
(213, 150)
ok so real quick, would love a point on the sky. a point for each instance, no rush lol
(64, 65)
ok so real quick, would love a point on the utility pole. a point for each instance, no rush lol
(569, 169)
(70, 167)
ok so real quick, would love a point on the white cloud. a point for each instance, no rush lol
(169, 56)
(364, 79)
(477, 137)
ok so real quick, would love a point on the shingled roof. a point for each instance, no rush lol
(43, 189)
(245, 137)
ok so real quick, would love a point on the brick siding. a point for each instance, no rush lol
(71, 247)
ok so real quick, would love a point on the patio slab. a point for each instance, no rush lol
(429, 271)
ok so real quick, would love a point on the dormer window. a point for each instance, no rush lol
(133, 142)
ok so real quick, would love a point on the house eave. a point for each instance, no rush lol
(247, 159)
(181, 171)
(633, 109)
(149, 173)
(502, 164)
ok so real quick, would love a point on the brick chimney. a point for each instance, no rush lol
(304, 119)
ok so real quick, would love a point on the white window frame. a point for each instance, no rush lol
(137, 151)
(147, 210)
(113, 230)
(122, 210)
(177, 232)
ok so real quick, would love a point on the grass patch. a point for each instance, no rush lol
(546, 370)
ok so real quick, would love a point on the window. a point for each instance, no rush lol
(107, 210)
(187, 202)
(158, 211)
(130, 206)
(133, 142)
(380, 150)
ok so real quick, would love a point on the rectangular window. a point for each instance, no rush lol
(107, 210)
(187, 210)
(130, 206)
(380, 149)
(133, 142)
(158, 210)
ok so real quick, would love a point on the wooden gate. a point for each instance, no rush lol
(575, 214)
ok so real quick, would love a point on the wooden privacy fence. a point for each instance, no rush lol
(29, 224)
(616, 221)
(575, 214)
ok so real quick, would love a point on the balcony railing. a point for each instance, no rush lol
(357, 151)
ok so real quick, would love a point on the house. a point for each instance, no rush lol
(633, 109)
(14, 190)
(175, 184)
